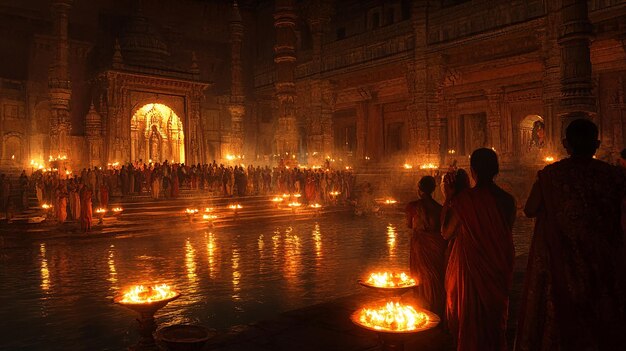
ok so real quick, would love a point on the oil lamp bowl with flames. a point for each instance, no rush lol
(393, 283)
(394, 318)
(146, 300)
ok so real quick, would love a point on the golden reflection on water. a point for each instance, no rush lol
(190, 262)
(276, 246)
(391, 240)
(45, 272)
(261, 245)
(112, 271)
(292, 255)
(236, 274)
(317, 239)
(210, 250)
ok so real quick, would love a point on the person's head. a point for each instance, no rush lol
(426, 186)
(484, 165)
(461, 180)
(581, 138)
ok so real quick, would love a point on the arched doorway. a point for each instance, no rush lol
(532, 138)
(157, 135)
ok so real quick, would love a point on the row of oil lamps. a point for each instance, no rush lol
(390, 317)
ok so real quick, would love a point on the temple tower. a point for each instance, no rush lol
(59, 85)
(237, 105)
(577, 98)
(286, 133)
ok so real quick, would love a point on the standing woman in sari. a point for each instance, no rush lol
(86, 212)
(428, 247)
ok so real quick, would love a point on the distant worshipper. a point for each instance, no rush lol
(427, 250)
(480, 266)
(574, 295)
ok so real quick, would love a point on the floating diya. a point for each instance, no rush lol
(146, 300)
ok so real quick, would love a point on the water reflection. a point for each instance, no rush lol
(210, 250)
(236, 273)
(391, 240)
(45, 272)
(317, 240)
(112, 271)
(190, 262)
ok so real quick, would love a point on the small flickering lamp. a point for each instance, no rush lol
(407, 166)
(235, 208)
(277, 200)
(100, 212)
(549, 159)
(191, 213)
(117, 211)
(294, 205)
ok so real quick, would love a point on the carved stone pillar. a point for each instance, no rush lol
(93, 130)
(237, 106)
(329, 97)
(577, 99)
(494, 115)
(286, 134)
(59, 84)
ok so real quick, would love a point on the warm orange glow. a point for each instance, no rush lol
(117, 209)
(209, 217)
(294, 204)
(390, 280)
(297, 195)
(285, 196)
(407, 166)
(235, 206)
(315, 206)
(549, 159)
(334, 193)
(390, 201)
(429, 166)
(191, 211)
(139, 294)
(277, 199)
(101, 210)
(208, 209)
(46, 206)
(394, 317)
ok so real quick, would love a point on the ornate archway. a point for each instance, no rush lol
(157, 135)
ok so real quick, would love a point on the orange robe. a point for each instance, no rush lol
(480, 269)
(86, 211)
(427, 253)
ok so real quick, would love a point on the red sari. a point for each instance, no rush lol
(480, 269)
(574, 294)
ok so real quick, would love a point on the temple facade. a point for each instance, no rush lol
(358, 82)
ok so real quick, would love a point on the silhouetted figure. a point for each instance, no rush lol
(480, 267)
(573, 295)
(428, 247)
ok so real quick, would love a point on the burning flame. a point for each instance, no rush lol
(549, 159)
(407, 166)
(390, 201)
(277, 199)
(46, 206)
(141, 294)
(429, 166)
(390, 280)
(297, 195)
(208, 209)
(208, 217)
(235, 206)
(315, 206)
(191, 211)
(394, 317)
(117, 209)
(100, 210)
(294, 204)
(334, 193)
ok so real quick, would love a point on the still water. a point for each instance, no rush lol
(56, 295)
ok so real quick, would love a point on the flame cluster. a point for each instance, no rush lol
(429, 166)
(315, 205)
(117, 209)
(235, 206)
(395, 317)
(100, 210)
(390, 280)
(46, 206)
(390, 201)
(294, 204)
(142, 294)
(334, 193)
(549, 159)
(191, 211)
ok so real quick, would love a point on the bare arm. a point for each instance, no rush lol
(533, 204)
(450, 223)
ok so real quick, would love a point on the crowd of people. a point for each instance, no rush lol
(67, 193)
(574, 295)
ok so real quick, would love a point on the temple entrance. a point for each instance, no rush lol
(157, 135)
